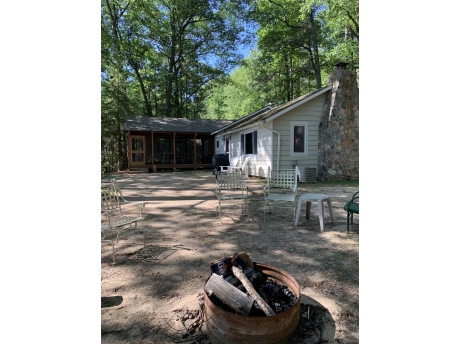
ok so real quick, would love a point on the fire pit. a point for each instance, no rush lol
(224, 327)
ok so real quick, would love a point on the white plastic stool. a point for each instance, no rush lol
(319, 198)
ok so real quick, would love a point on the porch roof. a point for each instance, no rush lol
(166, 124)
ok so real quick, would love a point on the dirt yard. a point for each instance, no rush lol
(148, 289)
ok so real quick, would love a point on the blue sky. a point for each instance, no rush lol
(245, 51)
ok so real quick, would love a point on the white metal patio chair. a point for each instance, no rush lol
(115, 218)
(113, 182)
(281, 189)
(230, 186)
(235, 168)
(113, 248)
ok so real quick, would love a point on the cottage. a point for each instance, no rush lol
(317, 132)
(280, 137)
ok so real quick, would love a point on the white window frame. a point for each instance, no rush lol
(305, 143)
(254, 142)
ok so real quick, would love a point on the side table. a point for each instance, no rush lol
(319, 198)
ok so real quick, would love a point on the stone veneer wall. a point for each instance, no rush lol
(338, 143)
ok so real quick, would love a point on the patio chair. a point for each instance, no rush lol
(352, 207)
(113, 249)
(115, 218)
(230, 186)
(113, 182)
(235, 168)
(281, 189)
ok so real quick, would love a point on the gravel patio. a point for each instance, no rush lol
(147, 288)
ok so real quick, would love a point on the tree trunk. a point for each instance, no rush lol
(120, 146)
(291, 78)
(148, 106)
(314, 43)
(286, 83)
(170, 75)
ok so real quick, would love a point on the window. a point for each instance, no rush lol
(249, 143)
(299, 138)
(217, 143)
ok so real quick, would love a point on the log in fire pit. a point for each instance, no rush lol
(225, 326)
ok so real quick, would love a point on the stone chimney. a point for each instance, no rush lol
(338, 136)
(341, 65)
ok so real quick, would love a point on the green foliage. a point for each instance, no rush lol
(284, 65)
(173, 58)
(158, 56)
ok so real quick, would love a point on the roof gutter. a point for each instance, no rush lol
(279, 144)
(234, 130)
(242, 119)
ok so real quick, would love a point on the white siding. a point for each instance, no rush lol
(258, 163)
(267, 141)
(221, 149)
(264, 158)
(309, 112)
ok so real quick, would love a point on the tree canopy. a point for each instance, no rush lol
(180, 58)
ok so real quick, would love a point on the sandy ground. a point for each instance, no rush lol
(146, 289)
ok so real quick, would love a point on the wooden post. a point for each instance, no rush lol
(153, 149)
(194, 149)
(130, 162)
(174, 149)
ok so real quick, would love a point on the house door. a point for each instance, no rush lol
(227, 148)
(137, 150)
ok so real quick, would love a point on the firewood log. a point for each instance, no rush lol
(233, 297)
(251, 291)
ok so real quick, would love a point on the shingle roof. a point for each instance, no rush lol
(259, 115)
(166, 124)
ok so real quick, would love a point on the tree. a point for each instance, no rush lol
(286, 28)
(172, 58)
(115, 101)
(196, 42)
(158, 56)
(340, 20)
(299, 42)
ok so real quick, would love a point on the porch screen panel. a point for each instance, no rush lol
(199, 151)
(184, 149)
(138, 157)
(163, 147)
(207, 151)
(148, 150)
(190, 157)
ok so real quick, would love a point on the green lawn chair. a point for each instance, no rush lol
(352, 207)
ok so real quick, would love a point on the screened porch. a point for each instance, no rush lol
(169, 150)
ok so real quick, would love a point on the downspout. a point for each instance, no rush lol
(279, 145)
